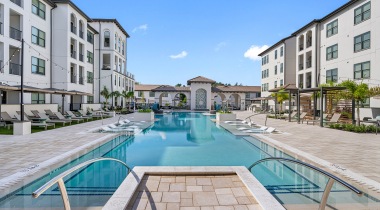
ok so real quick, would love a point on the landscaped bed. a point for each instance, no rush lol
(355, 128)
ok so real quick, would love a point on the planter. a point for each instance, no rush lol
(220, 117)
(138, 116)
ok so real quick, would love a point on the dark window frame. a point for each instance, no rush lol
(39, 41)
(332, 75)
(331, 30)
(362, 13)
(362, 71)
(330, 55)
(39, 10)
(38, 66)
(362, 42)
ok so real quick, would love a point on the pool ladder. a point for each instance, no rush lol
(61, 184)
(329, 184)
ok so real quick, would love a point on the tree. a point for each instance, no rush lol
(127, 95)
(115, 94)
(281, 96)
(178, 85)
(130, 95)
(359, 93)
(106, 94)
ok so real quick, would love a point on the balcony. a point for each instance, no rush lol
(74, 54)
(81, 34)
(308, 43)
(300, 66)
(73, 78)
(73, 29)
(18, 2)
(81, 57)
(106, 67)
(301, 47)
(2, 68)
(308, 64)
(81, 80)
(15, 33)
(1, 28)
(14, 69)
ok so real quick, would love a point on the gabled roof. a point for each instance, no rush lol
(200, 79)
(235, 89)
(73, 6)
(146, 87)
(112, 21)
(168, 88)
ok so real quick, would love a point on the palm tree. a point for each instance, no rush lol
(128, 95)
(281, 96)
(106, 94)
(115, 94)
(359, 93)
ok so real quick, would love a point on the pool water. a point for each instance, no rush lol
(183, 139)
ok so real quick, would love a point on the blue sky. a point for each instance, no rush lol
(175, 40)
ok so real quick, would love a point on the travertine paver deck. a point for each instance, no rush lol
(359, 153)
(22, 156)
(192, 193)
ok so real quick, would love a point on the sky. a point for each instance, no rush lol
(172, 41)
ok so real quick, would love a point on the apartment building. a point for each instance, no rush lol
(65, 59)
(340, 46)
(277, 67)
(111, 55)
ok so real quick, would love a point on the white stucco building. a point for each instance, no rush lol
(66, 60)
(200, 94)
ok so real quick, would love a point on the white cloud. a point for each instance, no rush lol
(141, 27)
(254, 51)
(180, 55)
(220, 46)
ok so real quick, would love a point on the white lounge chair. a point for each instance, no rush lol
(106, 129)
(258, 130)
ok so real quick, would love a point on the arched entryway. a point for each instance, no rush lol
(201, 99)
(180, 100)
(165, 99)
(234, 101)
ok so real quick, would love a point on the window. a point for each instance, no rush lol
(90, 57)
(151, 94)
(115, 41)
(267, 58)
(281, 83)
(38, 98)
(107, 39)
(38, 66)
(81, 76)
(282, 68)
(282, 51)
(119, 44)
(81, 28)
(362, 42)
(73, 74)
(119, 82)
(332, 52)
(73, 24)
(363, 13)
(332, 28)
(275, 54)
(122, 49)
(90, 77)
(90, 99)
(362, 70)
(38, 8)
(275, 70)
(140, 94)
(90, 37)
(38, 37)
(332, 75)
(275, 84)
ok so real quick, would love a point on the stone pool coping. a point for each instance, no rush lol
(126, 190)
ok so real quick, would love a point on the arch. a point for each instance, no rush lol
(164, 102)
(73, 23)
(201, 99)
(107, 38)
(301, 41)
(180, 100)
(219, 100)
(234, 101)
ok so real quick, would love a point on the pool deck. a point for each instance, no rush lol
(25, 158)
(352, 156)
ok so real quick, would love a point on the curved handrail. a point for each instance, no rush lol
(59, 179)
(352, 188)
(252, 116)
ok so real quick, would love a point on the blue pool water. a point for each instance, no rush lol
(182, 139)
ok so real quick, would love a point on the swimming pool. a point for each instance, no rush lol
(183, 139)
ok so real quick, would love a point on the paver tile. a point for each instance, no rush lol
(177, 187)
(227, 200)
(171, 197)
(205, 199)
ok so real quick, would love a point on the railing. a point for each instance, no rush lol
(81, 57)
(73, 29)
(300, 66)
(106, 66)
(73, 79)
(15, 69)
(15, 33)
(81, 34)
(308, 64)
(329, 184)
(74, 54)
(18, 2)
(309, 43)
(1, 67)
(61, 184)
(300, 47)
(81, 80)
(1, 28)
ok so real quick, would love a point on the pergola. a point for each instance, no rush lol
(292, 89)
(42, 90)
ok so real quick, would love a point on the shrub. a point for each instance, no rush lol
(145, 110)
(224, 112)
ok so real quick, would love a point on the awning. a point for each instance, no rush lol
(31, 89)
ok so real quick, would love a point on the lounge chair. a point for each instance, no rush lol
(324, 116)
(256, 130)
(302, 116)
(334, 119)
(61, 117)
(74, 116)
(292, 115)
(106, 129)
(51, 114)
(85, 114)
(48, 120)
(36, 124)
(246, 128)
(7, 118)
(35, 112)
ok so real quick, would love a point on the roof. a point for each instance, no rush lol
(240, 89)
(344, 6)
(200, 79)
(275, 45)
(168, 88)
(146, 87)
(112, 21)
(92, 29)
(306, 26)
(73, 6)
(51, 3)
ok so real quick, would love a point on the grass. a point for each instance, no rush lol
(6, 131)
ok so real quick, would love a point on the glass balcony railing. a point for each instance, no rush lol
(15, 33)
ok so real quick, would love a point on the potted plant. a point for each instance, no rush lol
(144, 115)
(225, 115)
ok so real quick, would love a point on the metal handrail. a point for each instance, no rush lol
(329, 184)
(61, 184)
